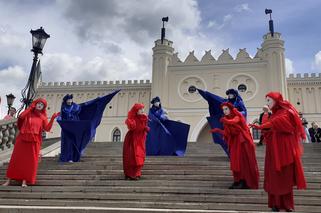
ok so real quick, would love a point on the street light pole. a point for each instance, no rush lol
(28, 93)
(10, 100)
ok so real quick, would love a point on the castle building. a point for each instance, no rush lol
(175, 82)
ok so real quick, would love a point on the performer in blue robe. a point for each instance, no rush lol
(166, 137)
(214, 102)
(78, 124)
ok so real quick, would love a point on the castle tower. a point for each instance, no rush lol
(273, 53)
(162, 55)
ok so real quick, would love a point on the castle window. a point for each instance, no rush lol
(116, 135)
(242, 88)
(192, 89)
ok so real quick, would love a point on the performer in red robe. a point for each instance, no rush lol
(283, 167)
(134, 145)
(241, 148)
(24, 159)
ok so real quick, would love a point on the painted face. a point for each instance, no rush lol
(270, 102)
(231, 96)
(140, 111)
(157, 104)
(69, 102)
(40, 106)
(226, 110)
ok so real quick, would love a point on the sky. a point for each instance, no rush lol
(113, 39)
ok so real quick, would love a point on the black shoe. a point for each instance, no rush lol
(274, 209)
(242, 185)
(235, 184)
(259, 143)
(289, 210)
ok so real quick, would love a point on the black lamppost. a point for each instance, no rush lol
(39, 38)
(164, 19)
(10, 100)
(271, 27)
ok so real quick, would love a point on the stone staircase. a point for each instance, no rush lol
(197, 182)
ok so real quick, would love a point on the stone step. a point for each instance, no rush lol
(155, 189)
(145, 204)
(75, 209)
(197, 182)
(168, 197)
(89, 174)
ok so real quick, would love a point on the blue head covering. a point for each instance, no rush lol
(67, 97)
(235, 93)
(237, 101)
(154, 100)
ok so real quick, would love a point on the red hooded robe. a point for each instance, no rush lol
(243, 161)
(24, 159)
(283, 167)
(134, 144)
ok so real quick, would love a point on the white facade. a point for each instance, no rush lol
(173, 81)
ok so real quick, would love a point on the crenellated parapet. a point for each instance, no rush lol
(306, 78)
(224, 58)
(96, 83)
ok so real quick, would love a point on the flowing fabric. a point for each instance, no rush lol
(134, 150)
(241, 147)
(78, 126)
(214, 103)
(166, 137)
(23, 164)
(283, 167)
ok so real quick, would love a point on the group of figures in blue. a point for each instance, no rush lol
(78, 124)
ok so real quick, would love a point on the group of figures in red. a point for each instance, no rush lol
(155, 134)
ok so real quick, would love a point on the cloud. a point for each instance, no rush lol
(242, 8)
(64, 67)
(13, 79)
(317, 61)
(227, 19)
(289, 68)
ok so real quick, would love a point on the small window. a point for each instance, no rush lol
(242, 88)
(192, 89)
(116, 135)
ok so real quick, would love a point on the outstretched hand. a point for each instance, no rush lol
(255, 126)
(56, 114)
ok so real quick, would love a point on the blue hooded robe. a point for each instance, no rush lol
(78, 124)
(216, 113)
(165, 137)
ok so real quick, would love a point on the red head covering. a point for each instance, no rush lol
(133, 111)
(43, 112)
(25, 124)
(281, 103)
(235, 112)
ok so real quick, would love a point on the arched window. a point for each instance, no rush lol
(116, 135)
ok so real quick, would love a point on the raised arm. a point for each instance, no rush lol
(234, 120)
(48, 125)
